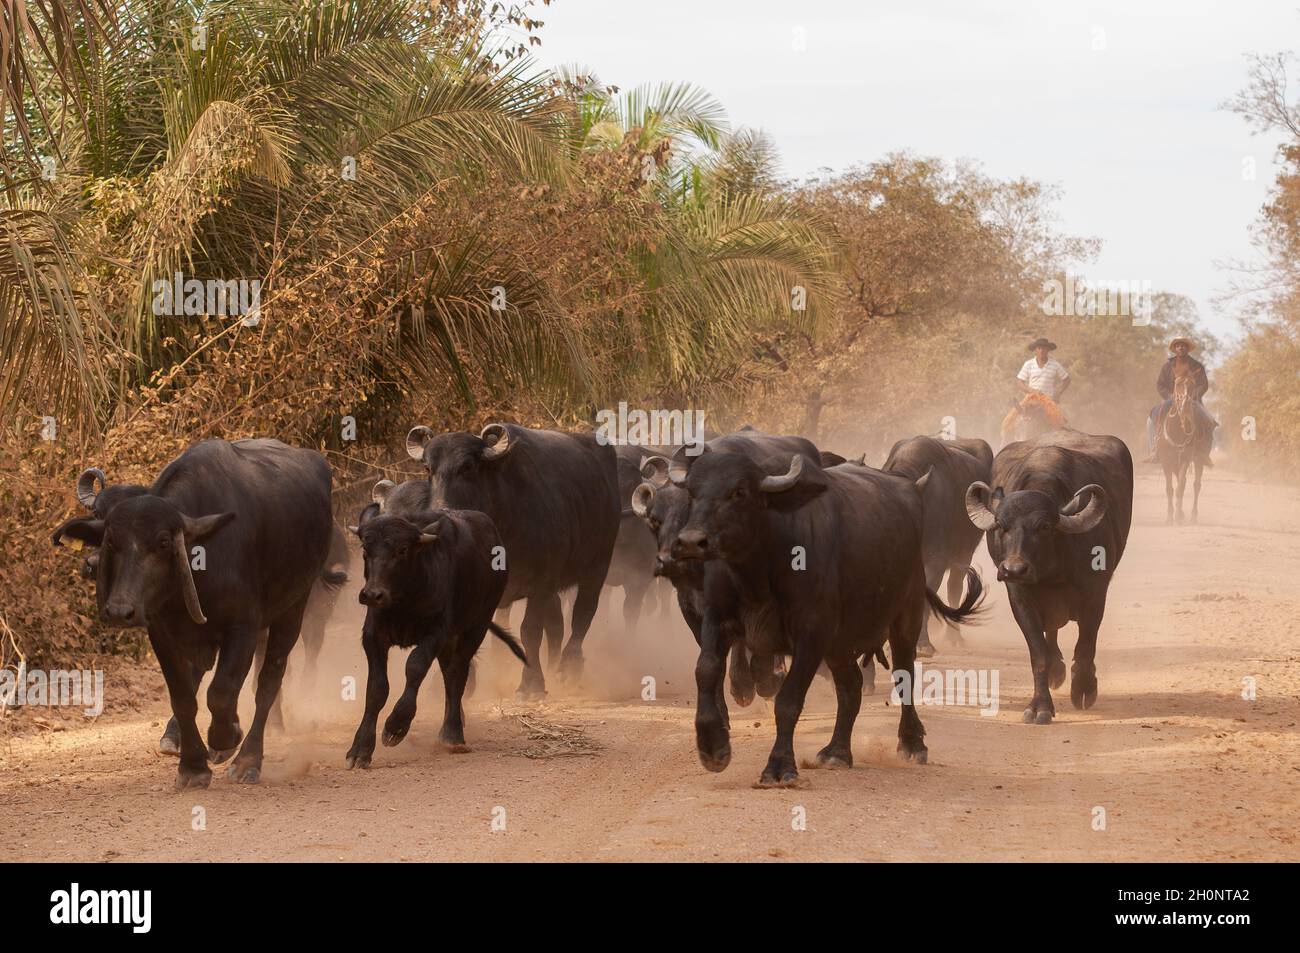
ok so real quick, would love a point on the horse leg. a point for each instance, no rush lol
(1169, 494)
(1182, 489)
(1196, 491)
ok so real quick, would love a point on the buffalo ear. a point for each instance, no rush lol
(199, 527)
(369, 512)
(87, 529)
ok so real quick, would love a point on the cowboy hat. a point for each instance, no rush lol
(1043, 342)
(1191, 345)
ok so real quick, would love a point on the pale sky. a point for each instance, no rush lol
(1131, 131)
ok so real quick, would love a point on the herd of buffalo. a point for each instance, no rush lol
(784, 559)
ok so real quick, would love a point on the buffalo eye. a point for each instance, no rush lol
(654, 524)
(163, 542)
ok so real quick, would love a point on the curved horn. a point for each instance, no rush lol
(775, 484)
(187, 578)
(924, 479)
(416, 438)
(498, 440)
(655, 470)
(1090, 516)
(380, 492)
(642, 497)
(977, 506)
(86, 492)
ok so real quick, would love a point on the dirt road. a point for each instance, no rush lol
(1181, 765)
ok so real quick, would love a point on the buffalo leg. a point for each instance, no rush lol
(399, 719)
(781, 770)
(742, 677)
(280, 640)
(363, 743)
(634, 597)
(233, 663)
(903, 636)
(1040, 710)
(455, 665)
(553, 626)
(584, 610)
(848, 702)
(712, 738)
(533, 684)
(170, 742)
(193, 771)
(1055, 660)
(924, 647)
(956, 582)
(1083, 673)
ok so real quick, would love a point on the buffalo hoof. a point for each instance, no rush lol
(393, 735)
(220, 757)
(1056, 677)
(356, 760)
(914, 751)
(245, 771)
(192, 778)
(530, 694)
(925, 650)
(716, 761)
(1035, 717)
(830, 757)
(742, 695)
(571, 668)
(789, 778)
(457, 747)
(1083, 691)
(169, 745)
(1043, 718)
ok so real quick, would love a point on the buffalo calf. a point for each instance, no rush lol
(431, 586)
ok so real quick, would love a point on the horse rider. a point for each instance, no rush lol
(1042, 373)
(1180, 365)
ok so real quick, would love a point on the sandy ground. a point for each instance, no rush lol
(1183, 767)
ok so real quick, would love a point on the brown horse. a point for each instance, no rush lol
(1183, 437)
(1035, 414)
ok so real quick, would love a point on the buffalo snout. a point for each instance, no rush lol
(691, 544)
(119, 612)
(374, 596)
(1013, 569)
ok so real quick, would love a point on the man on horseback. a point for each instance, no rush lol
(1180, 365)
(1042, 380)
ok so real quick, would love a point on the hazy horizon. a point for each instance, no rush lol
(1131, 131)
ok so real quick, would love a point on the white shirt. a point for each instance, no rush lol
(1046, 379)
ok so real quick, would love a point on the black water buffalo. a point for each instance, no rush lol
(825, 565)
(1057, 519)
(433, 581)
(632, 566)
(665, 510)
(554, 499)
(260, 511)
(948, 539)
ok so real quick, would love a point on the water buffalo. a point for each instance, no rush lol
(554, 499)
(827, 565)
(260, 511)
(665, 515)
(431, 586)
(1057, 518)
(948, 539)
(632, 567)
